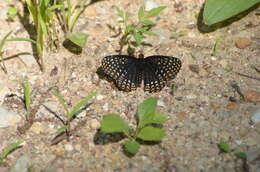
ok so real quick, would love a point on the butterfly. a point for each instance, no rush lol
(128, 72)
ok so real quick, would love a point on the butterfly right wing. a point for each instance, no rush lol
(124, 70)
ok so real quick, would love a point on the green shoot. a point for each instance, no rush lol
(69, 15)
(133, 34)
(9, 149)
(12, 13)
(145, 129)
(42, 14)
(70, 114)
(225, 147)
(27, 99)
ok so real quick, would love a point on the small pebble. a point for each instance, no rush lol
(100, 97)
(256, 116)
(161, 103)
(8, 118)
(94, 124)
(105, 107)
(252, 96)
(68, 147)
(22, 164)
(150, 4)
(243, 42)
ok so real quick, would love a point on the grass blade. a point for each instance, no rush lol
(61, 100)
(82, 103)
(9, 150)
(27, 98)
(22, 39)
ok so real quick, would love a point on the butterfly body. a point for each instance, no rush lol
(129, 72)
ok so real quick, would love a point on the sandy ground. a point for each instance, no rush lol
(202, 110)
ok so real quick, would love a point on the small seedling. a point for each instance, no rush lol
(42, 14)
(148, 127)
(2, 44)
(27, 99)
(225, 147)
(9, 149)
(65, 130)
(68, 15)
(133, 35)
(12, 13)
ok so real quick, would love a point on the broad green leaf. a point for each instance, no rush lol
(219, 10)
(77, 38)
(159, 118)
(146, 108)
(241, 155)
(61, 100)
(148, 22)
(80, 105)
(155, 11)
(150, 133)
(142, 29)
(27, 99)
(224, 147)
(61, 129)
(10, 149)
(130, 28)
(141, 14)
(132, 146)
(112, 123)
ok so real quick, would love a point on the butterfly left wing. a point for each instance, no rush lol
(159, 70)
(123, 69)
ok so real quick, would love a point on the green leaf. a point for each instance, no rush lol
(130, 28)
(158, 118)
(22, 39)
(9, 150)
(78, 38)
(2, 41)
(148, 22)
(112, 123)
(219, 10)
(27, 99)
(150, 133)
(12, 12)
(81, 104)
(223, 146)
(155, 11)
(145, 110)
(138, 38)
(132, 147)
(141, 14)
(120, 12)
(241, 155)
(61, 129)
(61, 100)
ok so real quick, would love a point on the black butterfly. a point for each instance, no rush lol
(128, 72)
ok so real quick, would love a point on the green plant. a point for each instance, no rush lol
(69, 15)
(12, 13)
(27, 98)
(70, 114)
(2, 44)
(133, 35)
(42, 14)
(225, 147)
(219, 10)
(9, 149)
(148, 127)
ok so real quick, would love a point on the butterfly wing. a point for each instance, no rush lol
(158, 70)
(124, 70)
